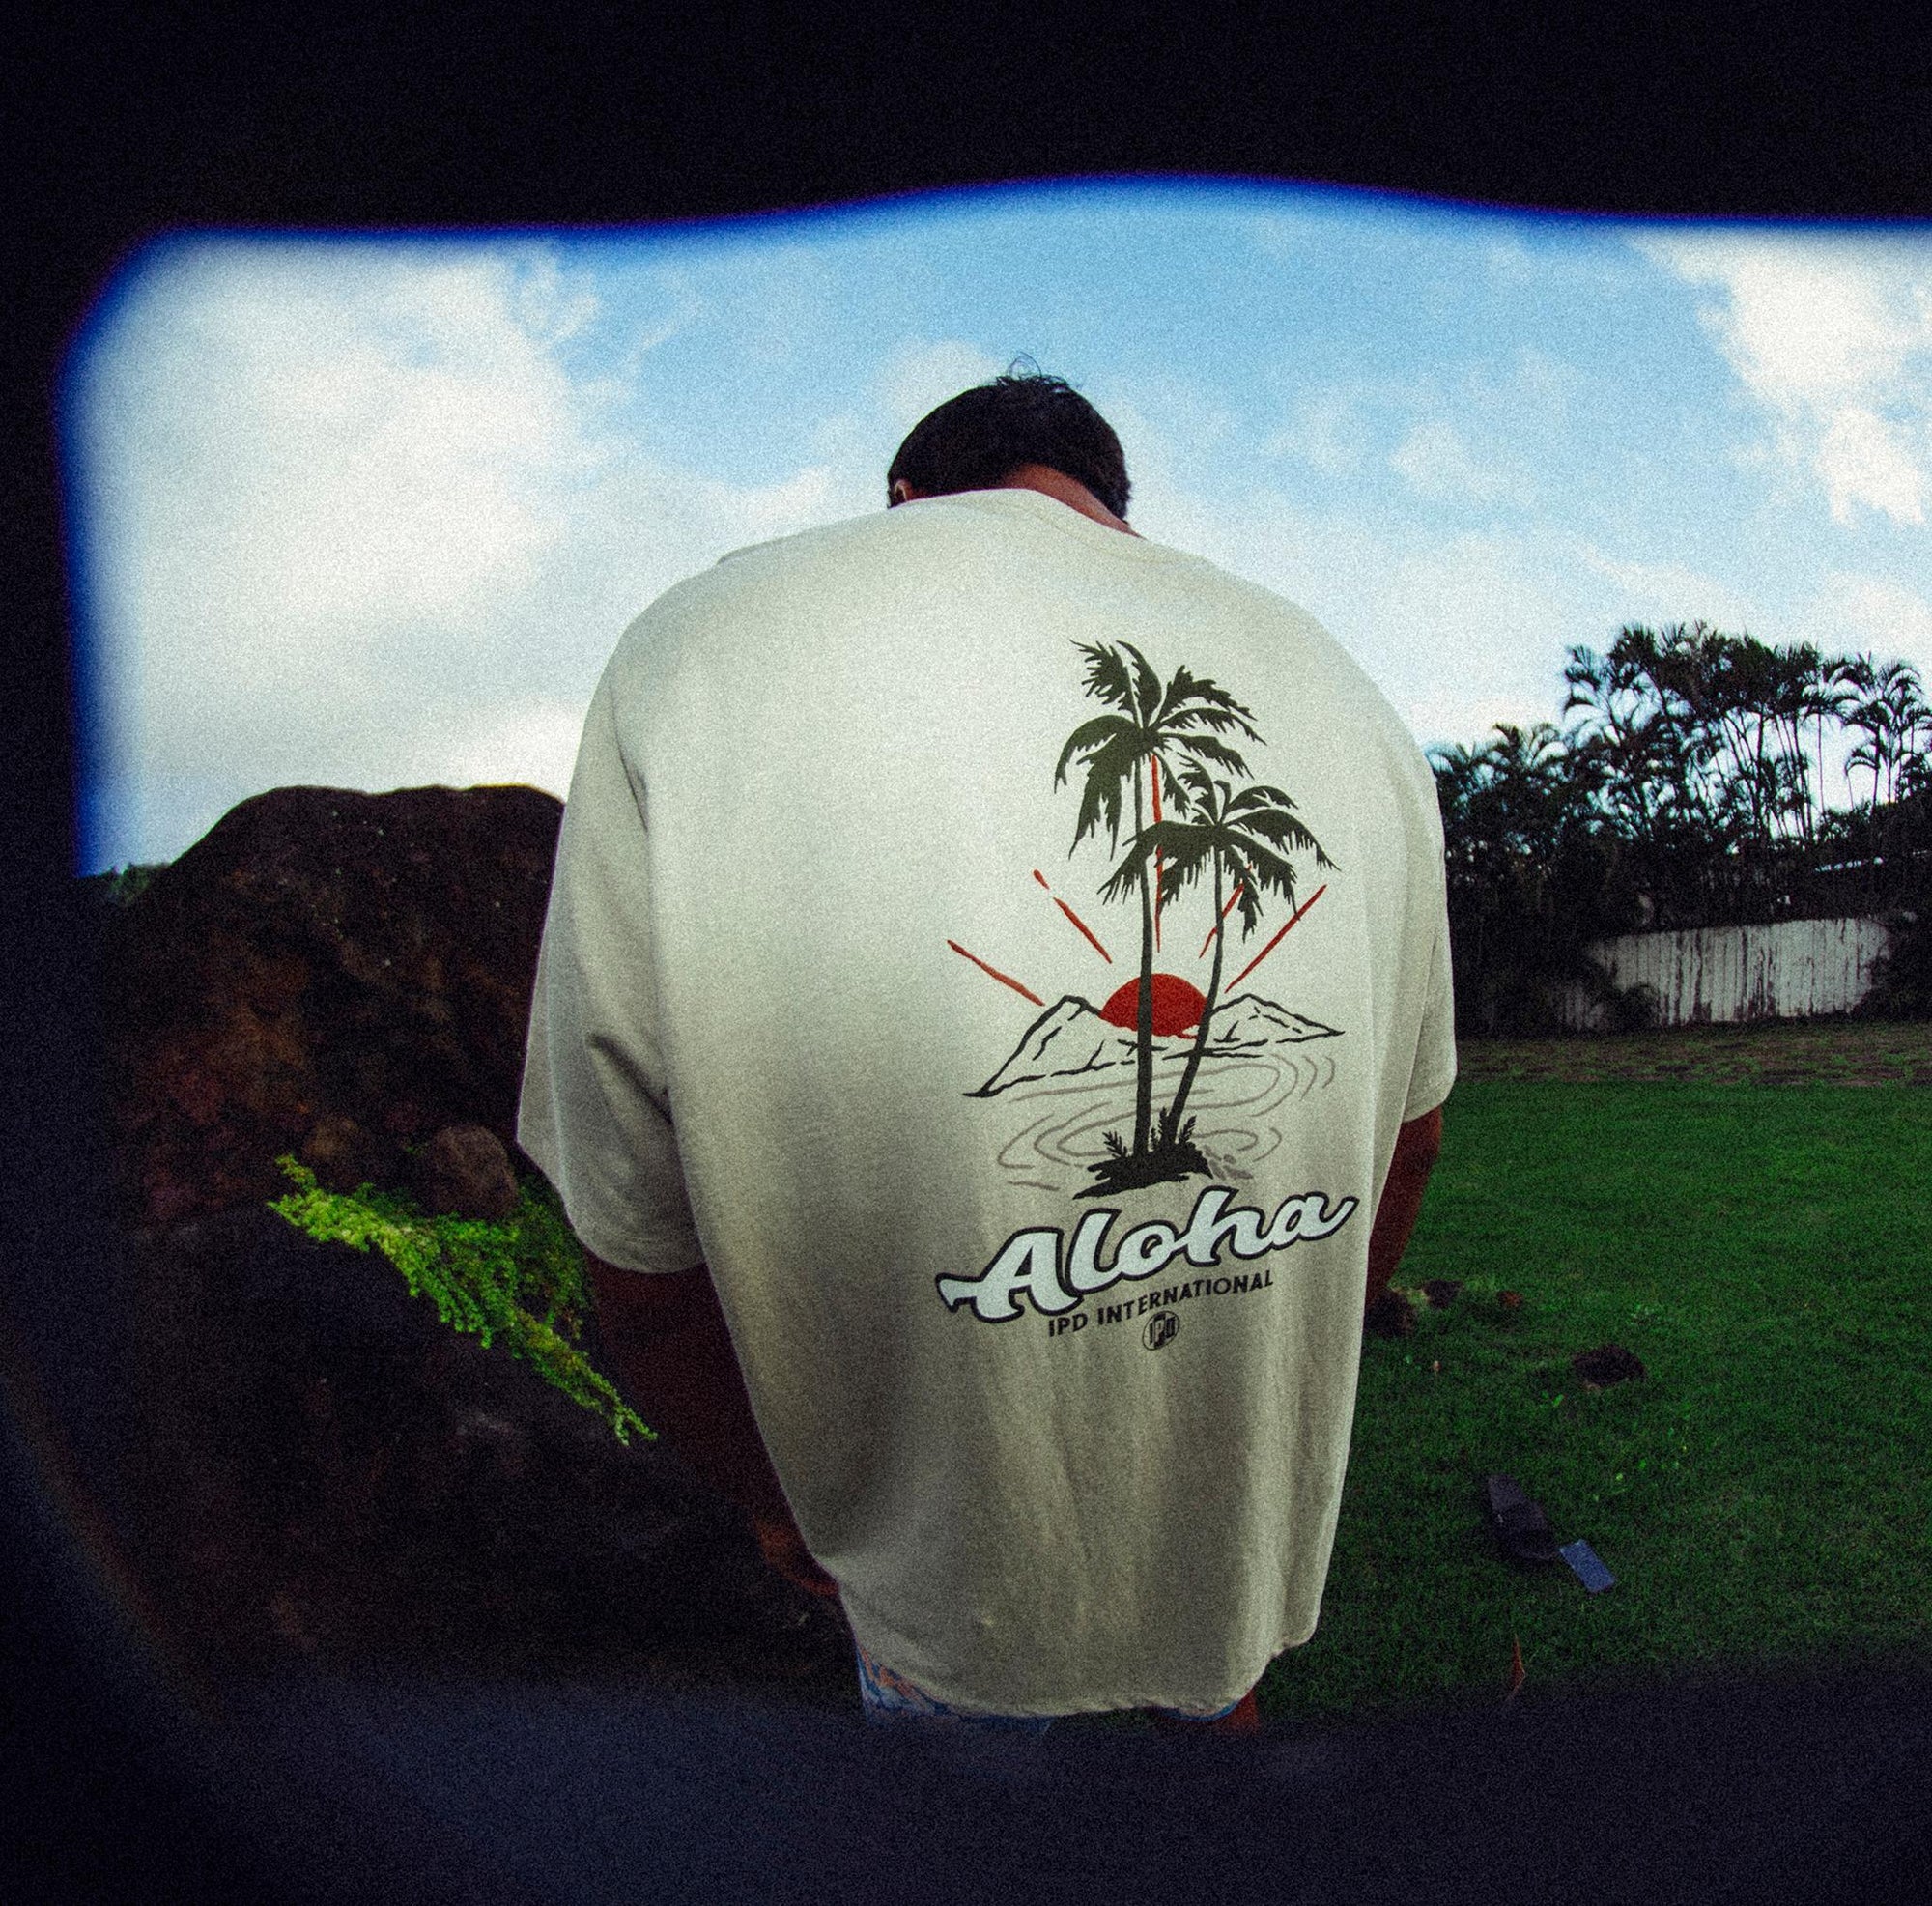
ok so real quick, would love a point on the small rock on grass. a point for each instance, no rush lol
(1607, 1363)
(1391, 1315)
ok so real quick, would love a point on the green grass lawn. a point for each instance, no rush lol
(1763, 1496)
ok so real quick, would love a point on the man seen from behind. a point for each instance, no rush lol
(991, 1033)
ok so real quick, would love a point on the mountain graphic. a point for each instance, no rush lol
(1070, 1039)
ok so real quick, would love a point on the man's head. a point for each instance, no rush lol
(976, 440)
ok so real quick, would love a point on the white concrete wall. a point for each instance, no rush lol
(1790, 969)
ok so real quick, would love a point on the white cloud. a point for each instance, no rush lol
(1547, 382)
(1808, 321)
(1465, 626)
(1325, 432)
(918, 378)
(1833, 334)
(1457, 630)
(326, 442)
(1874, 612)
(1863, 459)
(1437, 465)
(1188, 417)
(549, 308)
(354, 524)
(642, 334)
(1449, 718)
(532, 741)
(1334, 427)
(1670, 592)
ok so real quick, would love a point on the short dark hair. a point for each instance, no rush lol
(974, 441)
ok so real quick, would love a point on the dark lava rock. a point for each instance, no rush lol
(1390, 1315)
(324, 1469)
(463, 1171)
(345, 1157)
(1607, 1363)
(1441, 1292)
(322, 955)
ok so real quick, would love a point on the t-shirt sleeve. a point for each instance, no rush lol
(1434, 1069)
(595, 1114)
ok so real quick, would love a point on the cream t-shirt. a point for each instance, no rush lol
(830, 1000)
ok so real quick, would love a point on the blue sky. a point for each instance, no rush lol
(372, 512)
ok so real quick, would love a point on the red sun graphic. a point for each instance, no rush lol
(1177, 1005)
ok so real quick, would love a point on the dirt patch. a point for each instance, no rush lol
(1800, 1052)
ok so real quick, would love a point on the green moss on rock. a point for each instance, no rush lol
(522, 1279)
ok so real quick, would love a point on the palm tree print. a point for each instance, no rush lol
(1238, 843)
(1148, 726)
(1241, 842)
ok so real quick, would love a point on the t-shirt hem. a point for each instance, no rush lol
(621, 1250)
(1425, 1098)
(626, 1254)
(1046, 1709)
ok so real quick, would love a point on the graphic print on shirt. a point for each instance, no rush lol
(1164, 1080)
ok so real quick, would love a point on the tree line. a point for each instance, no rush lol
(1691, 785)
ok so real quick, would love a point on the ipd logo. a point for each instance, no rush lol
(1161, 1329)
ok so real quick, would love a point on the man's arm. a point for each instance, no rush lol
(670, 1352)
(1417, 1149)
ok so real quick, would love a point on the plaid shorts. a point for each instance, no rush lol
(890, 1697)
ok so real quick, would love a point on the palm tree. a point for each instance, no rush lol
(1245, 839)
(1634, 725)
(1907, 713)
(1888, 710)
(1754, 696)
(1152, 725)
(1534, 829)
(1805, 695)
(1833, 693)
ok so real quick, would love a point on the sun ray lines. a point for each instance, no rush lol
(1276, 941)
(1080, 924)
(1003, 978)
(1225, 912)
